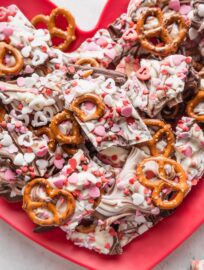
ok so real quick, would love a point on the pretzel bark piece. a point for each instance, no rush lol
(19, 62)
(170, 44)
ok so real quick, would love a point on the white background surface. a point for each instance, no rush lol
(19, 253)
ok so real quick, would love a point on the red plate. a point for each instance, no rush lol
(147, 250)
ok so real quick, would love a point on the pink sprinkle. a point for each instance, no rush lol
(178, 59)
(155, 211)
(29, 69)
(126, 111)
(94, 192)
(73, 179)
(174, 4)
(89, 105)
(188, 151)
(20, 81)
(100, 131)
(59, 163)
(42, 152)
(10, 127)
(185, 9)
(102, 42)
(91, 47)
(9, 175)
(59, 183)
(111, 53)
(8, 32)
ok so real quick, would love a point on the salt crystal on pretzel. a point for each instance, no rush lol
(34, 100)
(189, 148)
(104, 112)
(157, 83)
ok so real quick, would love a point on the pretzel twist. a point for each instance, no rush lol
(50, 21)
(170, 44)
(87, 61)
(199, 98)
(19, 62)
(74, 137)
(31, 205)
(100, 107)
(164, 129)
(47, 131)
(157, 186)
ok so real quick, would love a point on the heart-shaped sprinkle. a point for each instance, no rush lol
(9, 175)
(111, 53)
(188, 152)
(72, 162)
(7, 31)
(73, 179)
(59, 183)
(29, 157)
(19, 160)
(126, 111)
(174, 4)
(10, 127)
(29, 69)
(26, 139)
(185, 9)
(39, 120)
(59, 163)
(100, 131)
(42, 151)
(12, 149)
(94, 192)
(20, 81)
(108, 100)
(201, 10)
(137, 198)
(6, 141)
(42, 163)
(26, 51)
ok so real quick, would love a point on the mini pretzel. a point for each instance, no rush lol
(87, 61)
(164, 129)
(170, 44)
(100, 107)
(30, 205)
(74, 137)
(47, 131)
(16, 68)
(157, 186)
(68, 36)
(199, 98)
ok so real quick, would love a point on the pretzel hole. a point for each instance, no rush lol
(173, 30)
(65, 127)
(161, 145)
(9, 60)
(151, 22)
(38, 194)
(57, 41)
(61, 22)
(87, 107)
(151, 170)
(43, 213)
